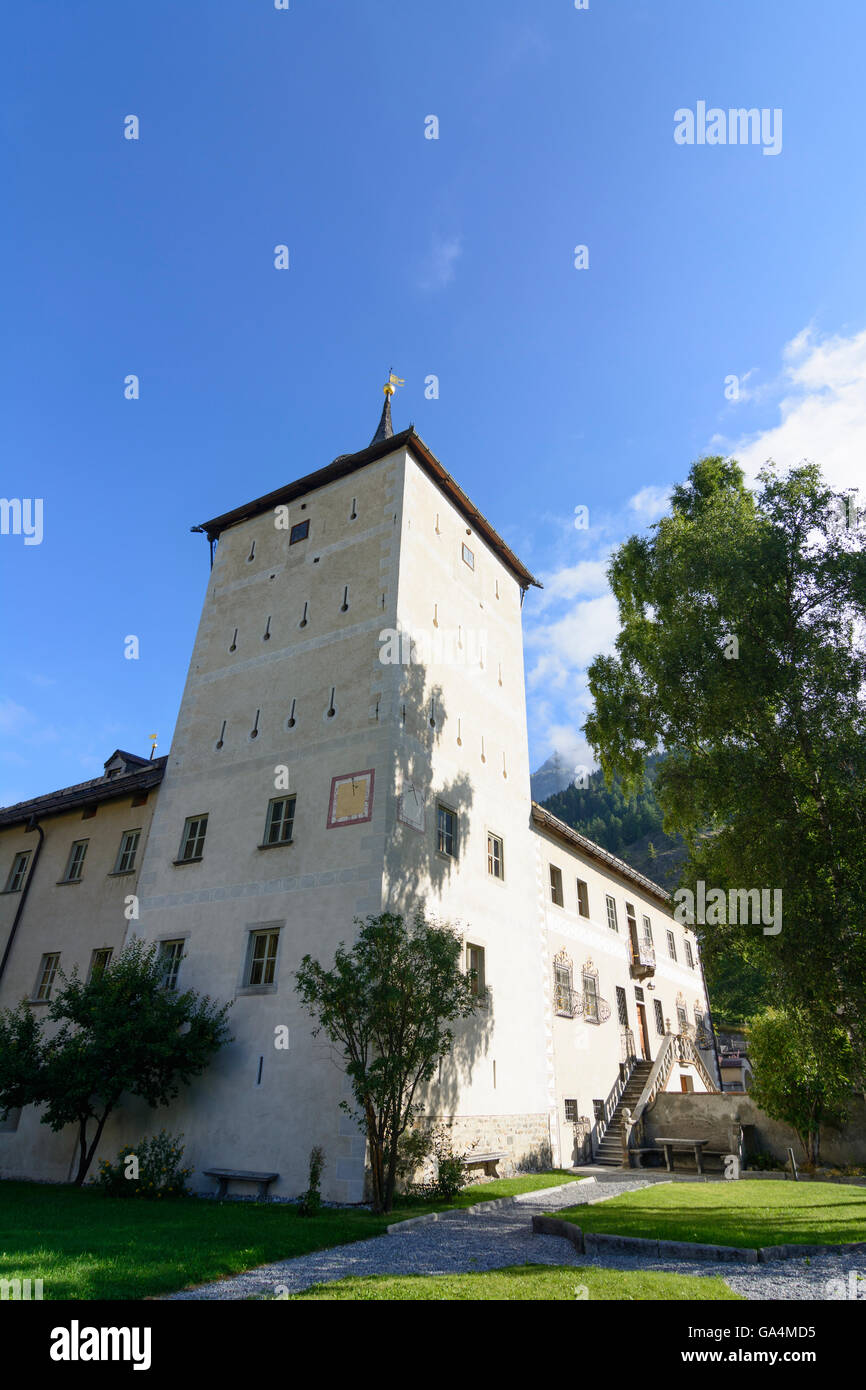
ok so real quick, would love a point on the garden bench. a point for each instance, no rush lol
(489, 1161)
(226, 1175)
(672, 1146)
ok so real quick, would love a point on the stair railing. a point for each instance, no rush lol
(676, 1047)
(633, 1123)
(599, 1129)
(688, 1052)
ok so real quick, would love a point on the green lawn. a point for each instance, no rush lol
(526, 1283)
(83, 1244)
(742, 1213)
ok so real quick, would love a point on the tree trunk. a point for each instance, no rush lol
(85, 1153)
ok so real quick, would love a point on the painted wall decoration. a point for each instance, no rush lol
(411, 809)
(351, 800)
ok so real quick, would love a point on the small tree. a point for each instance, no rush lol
(121, 1032)
(387, 1003)
(800, 1079)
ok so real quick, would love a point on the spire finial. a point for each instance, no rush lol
(386, 429)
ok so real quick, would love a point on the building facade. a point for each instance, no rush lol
(352, 739)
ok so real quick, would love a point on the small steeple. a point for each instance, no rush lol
(386, 429)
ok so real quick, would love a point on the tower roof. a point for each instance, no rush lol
(386, 429)
(345, 464)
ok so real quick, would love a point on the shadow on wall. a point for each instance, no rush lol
(421, 855)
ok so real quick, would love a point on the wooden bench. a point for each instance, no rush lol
(674, 1146)
(226, 1175)
(489, 1160)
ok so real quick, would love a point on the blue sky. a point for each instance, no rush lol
(455, 257)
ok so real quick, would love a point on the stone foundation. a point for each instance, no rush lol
(525, 1139)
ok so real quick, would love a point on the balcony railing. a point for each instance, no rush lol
(643, 957)
(567, 1002)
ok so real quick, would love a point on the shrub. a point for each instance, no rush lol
(765, 1163)
(149, 1169)
(451, 1175)
(311, 1202)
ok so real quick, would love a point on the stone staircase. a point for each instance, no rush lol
(609, 1151)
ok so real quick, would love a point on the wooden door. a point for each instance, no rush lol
(644, 1033)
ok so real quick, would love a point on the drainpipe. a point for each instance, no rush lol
(32, 824)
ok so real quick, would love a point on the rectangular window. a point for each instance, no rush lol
(690, 960)
(468, 557)
(598, 1110)
(621, 1006)
(446, 826)
(18, 872)
(170, 957)
(582, 898)
(127, 852)
(631, 919)
(495, 860)
(611, 913)
(648, 930)
(75, 863)
(99, 960)
(281, 820)
(660, 1017)
(299, 531)
(590, 998)
(562, 1000)
(192, 841)
(672, 946)
(556, 885)
(682, 1018)
(571, 1112)
(47, 972)
(262, 963)
(475, 966)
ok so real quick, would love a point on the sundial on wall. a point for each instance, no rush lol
(351, 800)
(410, 808)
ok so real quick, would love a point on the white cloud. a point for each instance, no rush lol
(571, 642)
(439, 269)
(14, 719)
(651, 502)
(586, 577)
(821, 400)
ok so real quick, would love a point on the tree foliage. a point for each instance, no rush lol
(741, 654)
(119, 1033)
(800, 1080)
(387, 1004)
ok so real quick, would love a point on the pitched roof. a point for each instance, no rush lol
(351, 463)
(558, 828)
(90, 793)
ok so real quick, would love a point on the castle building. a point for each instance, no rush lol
(352, 739)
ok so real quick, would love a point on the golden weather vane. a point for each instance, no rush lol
(392, 383)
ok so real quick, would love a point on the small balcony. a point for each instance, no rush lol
(643, 957)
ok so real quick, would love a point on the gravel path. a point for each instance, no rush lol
(466, 1242)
